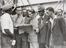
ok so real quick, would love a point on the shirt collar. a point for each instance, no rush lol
(51, 20)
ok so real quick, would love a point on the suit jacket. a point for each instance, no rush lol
(44, 31)
(58, 31)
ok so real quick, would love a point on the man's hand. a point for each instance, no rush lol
(13, 42)
(37, 30)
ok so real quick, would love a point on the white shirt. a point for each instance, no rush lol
(20, 20)
(52, 21)
(34, 22)
(6, 23)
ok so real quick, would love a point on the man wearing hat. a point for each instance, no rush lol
(7, 25)
(44, 31)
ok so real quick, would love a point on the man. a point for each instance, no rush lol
(0, 27)
(7, 30)
(57, 27)
(21, 35)
(43, 29)
(32, 37)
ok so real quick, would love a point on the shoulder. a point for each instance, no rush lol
(5, 16)
(37, 16)
(60, 18)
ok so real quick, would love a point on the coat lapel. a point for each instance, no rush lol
(54, 23)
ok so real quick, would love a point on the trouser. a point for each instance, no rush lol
(44, 40)
(42, 45)
(5, 42)
(33, 40)
(22, 40)
(0, 39)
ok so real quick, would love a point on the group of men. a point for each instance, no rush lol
(46, 27)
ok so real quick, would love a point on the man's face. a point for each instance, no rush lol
(29, 13)
(41, 12)
(19, 11)
(48, 12)
(60, 13)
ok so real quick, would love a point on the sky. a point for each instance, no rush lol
(24, 2)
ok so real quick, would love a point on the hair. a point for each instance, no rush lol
(9, 10)
(40, 7)
(13, 12)
(50, 9)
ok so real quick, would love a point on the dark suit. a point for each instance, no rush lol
(58, 31)
(44, 33)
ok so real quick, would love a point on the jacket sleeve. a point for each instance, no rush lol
(62, 26)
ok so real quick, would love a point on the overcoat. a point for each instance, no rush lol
(58, 31)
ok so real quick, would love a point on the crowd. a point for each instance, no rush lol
(45, 28)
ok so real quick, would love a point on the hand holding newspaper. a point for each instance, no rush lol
(25, 27)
